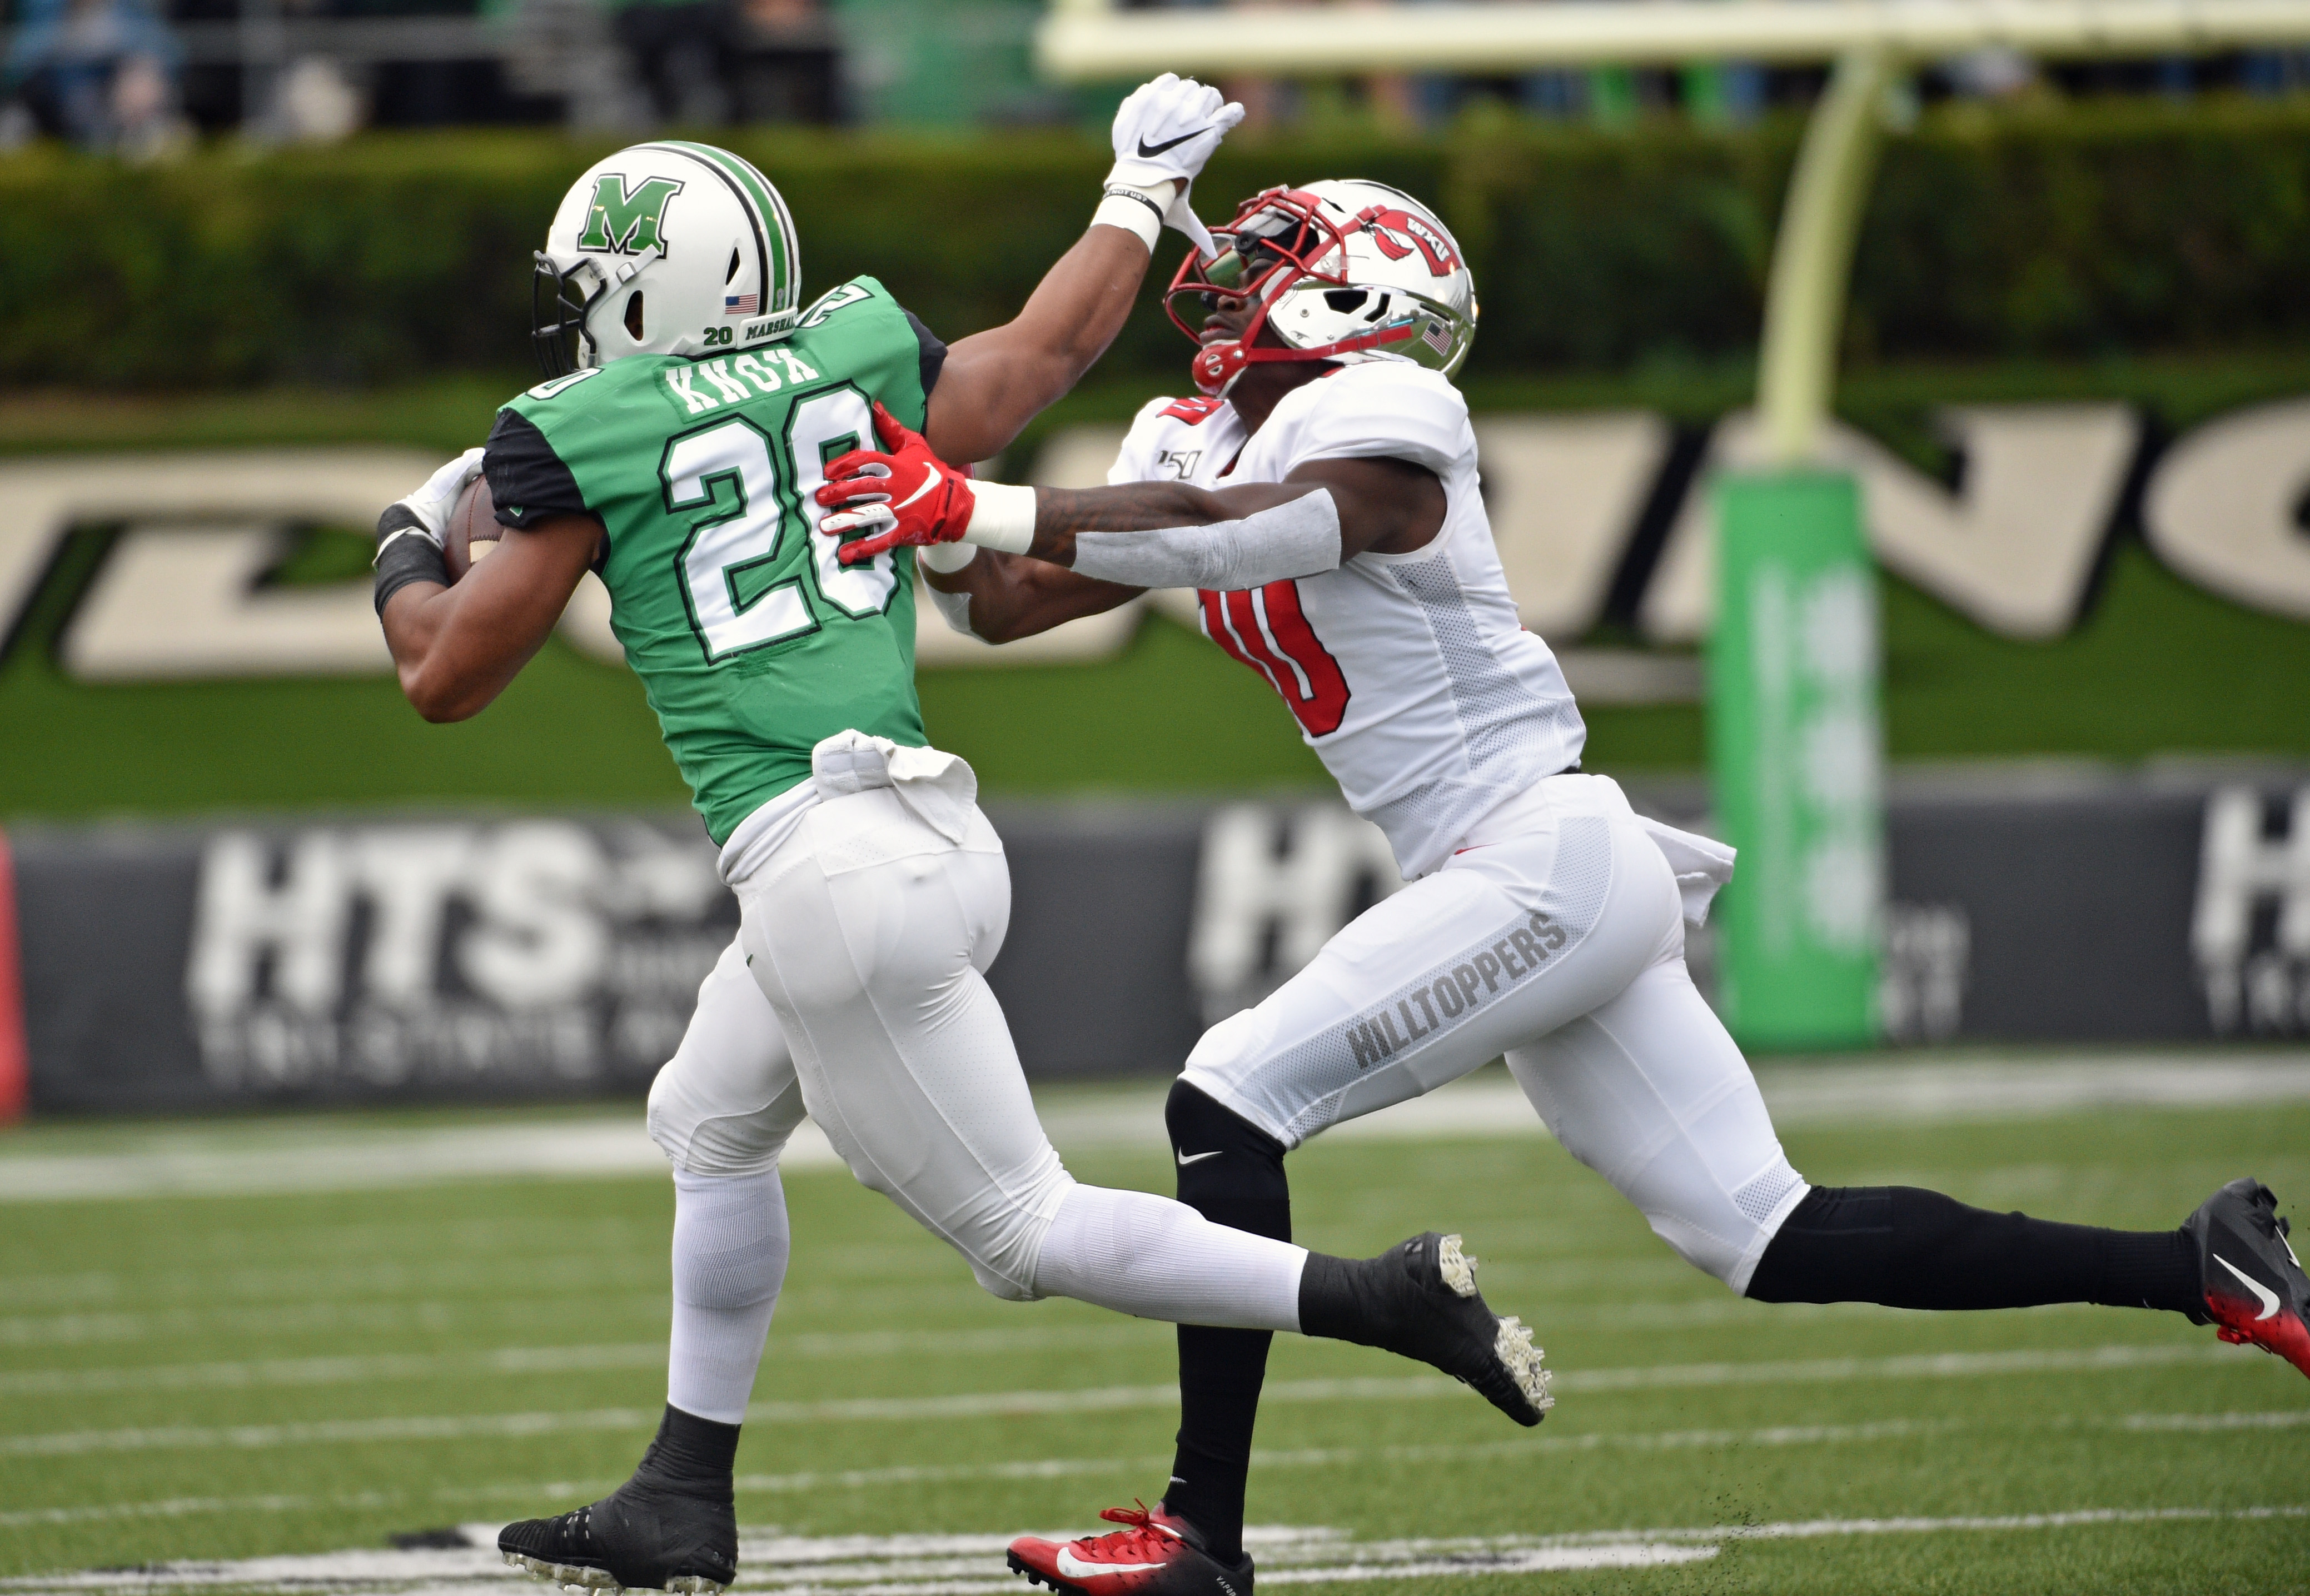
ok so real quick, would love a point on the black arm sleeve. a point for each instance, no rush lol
(527, 479)
(402, 560)
(934, 352)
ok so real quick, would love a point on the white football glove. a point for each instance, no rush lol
(1165, 130)
(425, 513)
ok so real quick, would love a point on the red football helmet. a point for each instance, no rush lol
(1342, 270)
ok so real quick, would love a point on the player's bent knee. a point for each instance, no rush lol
(702, 1131)
(1226, 1050)
(1003, 1242)
(1703, 1248)
(1225, 1062)
(1000, 1286)
(1729, 1240)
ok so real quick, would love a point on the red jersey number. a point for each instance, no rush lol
(1266, 630)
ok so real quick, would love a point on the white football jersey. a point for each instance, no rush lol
(1410, 674)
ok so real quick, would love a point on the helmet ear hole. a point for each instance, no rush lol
(732, 274)
(1344, 299)
(634, 316)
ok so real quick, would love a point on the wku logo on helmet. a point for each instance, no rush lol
(1399, 232)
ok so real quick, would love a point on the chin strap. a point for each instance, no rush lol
(1215, 366)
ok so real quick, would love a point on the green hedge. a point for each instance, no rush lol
(2085, 230)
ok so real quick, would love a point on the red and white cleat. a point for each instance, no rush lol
(1156, 1555)
(2256, 1288)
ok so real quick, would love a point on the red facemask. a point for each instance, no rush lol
(1261, 267)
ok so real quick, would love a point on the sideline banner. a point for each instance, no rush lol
(439, 958)
(15, 1065)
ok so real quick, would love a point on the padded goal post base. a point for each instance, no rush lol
(1796, 759)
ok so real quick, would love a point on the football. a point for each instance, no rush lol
(473, 530)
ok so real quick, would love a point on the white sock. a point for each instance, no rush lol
(729, 1261)
(1149, 1256)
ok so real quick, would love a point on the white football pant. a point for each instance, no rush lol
(1558, 942)
(868, 931)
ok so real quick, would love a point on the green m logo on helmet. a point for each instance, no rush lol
(628, 221)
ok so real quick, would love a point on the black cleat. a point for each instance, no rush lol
(642, 1536)
(1419, 1299)
(2255, 1287)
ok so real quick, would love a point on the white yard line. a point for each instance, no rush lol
(320, 1154)
(867, 1565)
(1947, 1366)
(967, 1564)
(1778, 1435)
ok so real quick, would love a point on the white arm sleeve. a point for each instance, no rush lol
(1297, 538)
(954, 606)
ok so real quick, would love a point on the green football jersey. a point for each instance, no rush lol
(751, 640)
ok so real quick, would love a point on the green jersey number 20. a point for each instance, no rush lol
(768, 503)
(751, 640)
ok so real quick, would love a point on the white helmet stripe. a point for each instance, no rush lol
(781, 276)
(746, 203)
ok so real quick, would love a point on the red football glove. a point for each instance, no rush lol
(915, 496)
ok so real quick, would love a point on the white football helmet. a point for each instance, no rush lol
(669, 248)
(1343, 270)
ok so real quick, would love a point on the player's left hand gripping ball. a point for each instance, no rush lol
(425, 512)
(916, 498)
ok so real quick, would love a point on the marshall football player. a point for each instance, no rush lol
(1321, 495)
(677, 450)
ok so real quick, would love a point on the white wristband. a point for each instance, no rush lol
(946, 559)
(1002, 517)
(1133, 210)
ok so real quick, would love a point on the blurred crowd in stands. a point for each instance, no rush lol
(143, 78)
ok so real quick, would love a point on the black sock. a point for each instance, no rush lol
(692, 1455)
(1220, 1370)
(1915, 1249)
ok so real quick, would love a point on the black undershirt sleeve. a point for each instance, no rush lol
(933, 351)
(527, 479)
(528, 482)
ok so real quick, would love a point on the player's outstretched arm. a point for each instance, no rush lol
(995, 382)
(457, 647)
(1379, 505)
(1137, 535)
(1001, 598)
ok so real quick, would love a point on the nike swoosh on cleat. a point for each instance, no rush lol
(2269, 1297)
(1075, 1567)
(1148, 151)
(1187, 1158)
(930, 481)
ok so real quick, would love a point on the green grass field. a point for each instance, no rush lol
(224, 1377)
